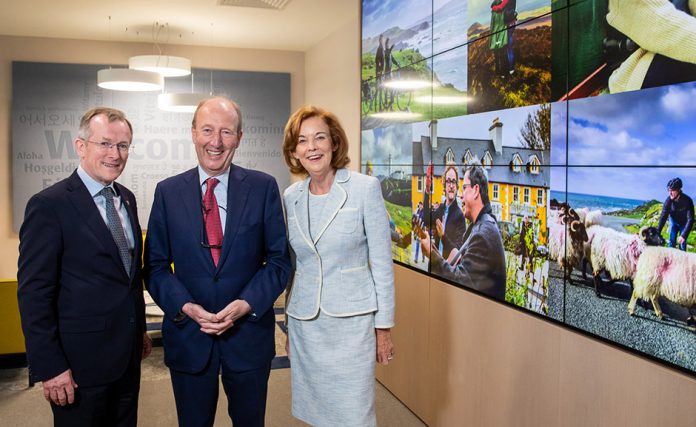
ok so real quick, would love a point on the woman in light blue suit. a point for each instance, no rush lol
(341, 303)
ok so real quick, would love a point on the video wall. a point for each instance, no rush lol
(581, 114)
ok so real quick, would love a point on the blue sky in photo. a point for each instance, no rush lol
(476, 126)
(651, 127)
(647, 127)
(379, 144)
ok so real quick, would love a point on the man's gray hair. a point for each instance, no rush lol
(84, 132)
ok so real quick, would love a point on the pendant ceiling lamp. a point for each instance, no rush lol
(184, 102)
(126, 79)
(167, 66)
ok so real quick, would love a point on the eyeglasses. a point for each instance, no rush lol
(205, 244)
(204, 236)
(106, 146)
(450, 182)
(467, 185)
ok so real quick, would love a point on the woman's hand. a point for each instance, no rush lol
(385, 347)
(287, 345)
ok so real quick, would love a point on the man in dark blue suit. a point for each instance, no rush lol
(79, 283)
(217, 258)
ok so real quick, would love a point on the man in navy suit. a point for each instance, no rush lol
(79, 283)
(217, 258)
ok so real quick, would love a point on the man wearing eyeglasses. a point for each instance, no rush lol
(222, 228)
(480, 261)
(79, 283)
(447, 221)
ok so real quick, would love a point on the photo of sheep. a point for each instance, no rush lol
(613, 46)
(626, 255)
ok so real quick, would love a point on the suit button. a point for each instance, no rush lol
(131, 320)
(216, 279)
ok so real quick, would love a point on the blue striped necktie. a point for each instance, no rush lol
(114, 223)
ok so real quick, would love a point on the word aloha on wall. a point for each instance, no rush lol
(548, 96)
(48, 100)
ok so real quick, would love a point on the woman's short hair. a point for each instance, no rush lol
(339, 158)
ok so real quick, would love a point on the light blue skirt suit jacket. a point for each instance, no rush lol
(347, 269)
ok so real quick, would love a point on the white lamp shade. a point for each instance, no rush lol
(129, 80)
(168, 66)
(180, 102)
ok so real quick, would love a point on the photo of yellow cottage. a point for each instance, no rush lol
(518, 178)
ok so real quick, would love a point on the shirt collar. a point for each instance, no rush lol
(223, 177)
(93, 186)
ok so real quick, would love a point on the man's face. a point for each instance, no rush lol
(215, 136)
(450, 186)
(469, 197)
(673, 194)
(102, 162)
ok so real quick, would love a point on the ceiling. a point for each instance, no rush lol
(300, 25)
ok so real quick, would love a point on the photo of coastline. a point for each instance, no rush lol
(402, 78)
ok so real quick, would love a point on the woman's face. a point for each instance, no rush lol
(314, 147)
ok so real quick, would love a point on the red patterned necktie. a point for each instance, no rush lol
(211, 216)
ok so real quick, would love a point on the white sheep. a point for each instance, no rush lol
(594, 218)
(666, 272)
(617, 253)
(590, 218)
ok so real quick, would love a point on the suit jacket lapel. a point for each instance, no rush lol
(237, 194)
(84, 203)
(301, 211)
(191, 199)
(336, 198)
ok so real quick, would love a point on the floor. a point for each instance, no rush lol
(23, 406)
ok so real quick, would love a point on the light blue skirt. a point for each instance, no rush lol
(332, 362)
